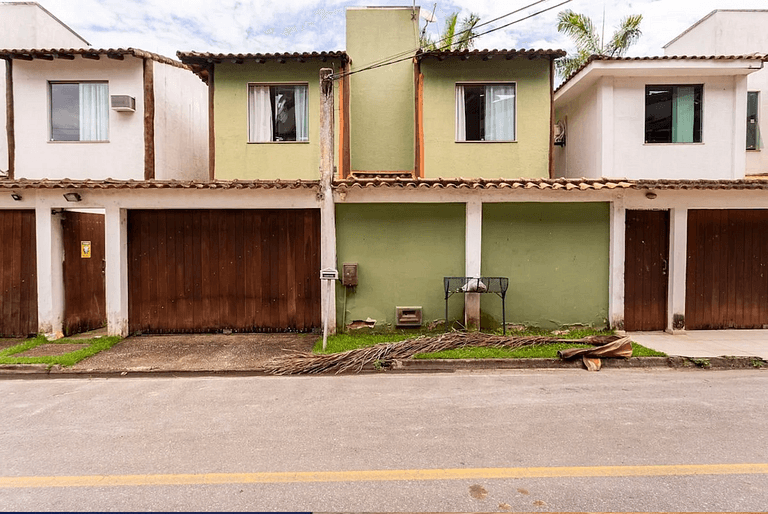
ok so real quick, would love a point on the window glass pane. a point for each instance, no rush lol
(658, 114)
(283, 102)
(94, 112)
(500, 112)
(65, 112)
(682, 115)
(474, 113)
(752, 102)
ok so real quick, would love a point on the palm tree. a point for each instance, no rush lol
(581, 30)
(455, 36)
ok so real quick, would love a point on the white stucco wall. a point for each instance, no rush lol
(3, 120)
(594, 148)
(181, 124)
(734, 33)
(26, 25)
(580, 157)
(122, 157)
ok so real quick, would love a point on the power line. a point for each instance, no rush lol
(410, 53)
(396, 60)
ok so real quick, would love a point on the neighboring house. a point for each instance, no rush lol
(29, 25)
(688, 233)
(105, 113)
(735, 32)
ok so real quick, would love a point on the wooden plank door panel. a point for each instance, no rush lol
(243, 270)
(646, 270)
(726, 275)
(18, 273)
(85, 300)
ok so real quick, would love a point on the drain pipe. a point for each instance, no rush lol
(328, 273)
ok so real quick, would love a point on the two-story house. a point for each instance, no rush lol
(85, 126)
(687, 237)
(442, 169)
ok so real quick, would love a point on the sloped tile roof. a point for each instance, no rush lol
(487, 54)
(158, 184)
(49, 54)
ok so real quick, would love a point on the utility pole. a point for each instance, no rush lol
(327, 207)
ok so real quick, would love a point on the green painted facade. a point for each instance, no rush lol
(236, 158)
(556, 258)
(527, 157)
(403, 252)
(382, 103)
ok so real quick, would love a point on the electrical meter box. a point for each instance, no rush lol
(349, 274)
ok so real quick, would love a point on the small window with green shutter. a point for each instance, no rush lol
(753, 128)
(673, 113)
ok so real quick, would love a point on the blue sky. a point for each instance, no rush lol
(165, 26)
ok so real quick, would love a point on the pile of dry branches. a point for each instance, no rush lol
(354, 360)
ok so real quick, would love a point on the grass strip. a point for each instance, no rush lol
(94, 346)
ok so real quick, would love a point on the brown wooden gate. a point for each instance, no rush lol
(85, 300)
(726, 276)
(645, 270)
(18, 273)
(208, 270)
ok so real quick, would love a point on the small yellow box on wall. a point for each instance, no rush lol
(85, 249)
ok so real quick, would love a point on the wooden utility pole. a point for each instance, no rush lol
(327, 208)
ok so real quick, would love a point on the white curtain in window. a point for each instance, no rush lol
(500, 112)
(300, 108)
(94, 112)
(259, 114)
(461, 118)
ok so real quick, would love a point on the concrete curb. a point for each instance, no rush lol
(27, 371)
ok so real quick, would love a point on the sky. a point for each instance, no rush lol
(165, 26)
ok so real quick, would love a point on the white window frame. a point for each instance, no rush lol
(248, 111)
(51, 83)
(486, 83)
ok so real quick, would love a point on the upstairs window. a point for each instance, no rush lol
(79, 111)
(277, 113)
(753, 131)
(673, 114)
(485, 112)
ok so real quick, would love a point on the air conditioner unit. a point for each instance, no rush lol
(123, 103)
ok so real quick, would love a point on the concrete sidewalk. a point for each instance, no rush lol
(707, 343)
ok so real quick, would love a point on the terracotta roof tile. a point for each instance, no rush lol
(466, 54)
(48, 54)
(158, 184)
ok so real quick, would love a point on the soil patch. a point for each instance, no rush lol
(196, 352)
(45, 350)
(7, 343)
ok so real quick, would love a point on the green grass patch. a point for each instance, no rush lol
(546, 351)
(94, 346)
(338, 343)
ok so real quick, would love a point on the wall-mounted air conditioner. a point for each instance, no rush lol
(123, 103)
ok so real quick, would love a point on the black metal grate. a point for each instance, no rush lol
(463, 285)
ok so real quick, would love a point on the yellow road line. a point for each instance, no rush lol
(383, 475)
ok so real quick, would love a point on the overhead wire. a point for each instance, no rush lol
(410, 53)
(397, 58)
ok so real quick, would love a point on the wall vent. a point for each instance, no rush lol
(123, 103)
(408, 316)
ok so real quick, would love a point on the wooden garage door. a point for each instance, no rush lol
(726, 278)
(645, 270)
(208, 270)
(18, 273)
(85, 300)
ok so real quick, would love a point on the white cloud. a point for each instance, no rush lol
(165, 26)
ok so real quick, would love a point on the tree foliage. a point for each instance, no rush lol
(455, 36)
(582, 31)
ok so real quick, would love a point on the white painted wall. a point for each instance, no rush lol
(27, 25)
(580, 157)
(594, 148)
(734, 33)
(181, 124)
(122, 157)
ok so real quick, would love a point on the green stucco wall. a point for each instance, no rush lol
(403, 252)
(238, 159)
(382, 105)
(528, 157)
(556, 258)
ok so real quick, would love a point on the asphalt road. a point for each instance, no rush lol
(631, 440)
